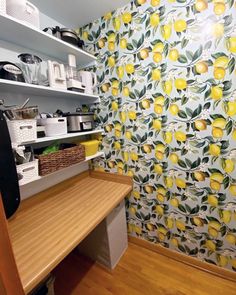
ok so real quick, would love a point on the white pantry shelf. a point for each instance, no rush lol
(21, 34)
(97, 155)
(38, 90)
(65, 136)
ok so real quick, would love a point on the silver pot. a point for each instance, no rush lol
(80, 121)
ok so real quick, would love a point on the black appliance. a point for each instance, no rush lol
(10, 71)
(9, 186)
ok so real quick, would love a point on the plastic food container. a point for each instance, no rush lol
(54, 126)
(22, 131)
(91, 147)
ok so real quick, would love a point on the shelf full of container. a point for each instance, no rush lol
(21, 34)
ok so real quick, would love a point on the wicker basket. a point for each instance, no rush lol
(55, 161)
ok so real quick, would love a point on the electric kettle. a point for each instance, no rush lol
(89, 80)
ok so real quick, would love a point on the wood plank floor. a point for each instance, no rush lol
(140, 271)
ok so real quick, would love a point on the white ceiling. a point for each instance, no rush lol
(77, 13)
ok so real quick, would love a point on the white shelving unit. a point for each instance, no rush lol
(97, 155)
(68, 135)
(37, 90)
(21, 34)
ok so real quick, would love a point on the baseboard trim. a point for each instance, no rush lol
(192, 261)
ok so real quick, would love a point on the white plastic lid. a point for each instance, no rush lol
(72, 60)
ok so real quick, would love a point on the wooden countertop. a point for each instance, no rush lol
(48, 226)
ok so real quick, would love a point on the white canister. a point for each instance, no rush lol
(2, 6)
(54, 126)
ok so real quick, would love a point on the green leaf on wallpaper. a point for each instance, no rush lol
(228, 20)
(231, 65)
(226, 182)
(189, 55)
(198, 53)
(197, 111)
(182, 164)
(189, 163)
(182, 58)
(227, 85)
(218, 54)
(184, 42)
(224, 144)
(182, 208)
(229, 127)
(140, 42)
(182, 114)
(196, 163)
(208, 45)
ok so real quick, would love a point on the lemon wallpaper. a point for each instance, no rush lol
(166, 75)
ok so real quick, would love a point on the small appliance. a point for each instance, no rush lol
(80, 121)
(10, 71)
(88, 79)
(24, 11)
(72, 75)
(9, 186)
(56, 75)
(31, 66)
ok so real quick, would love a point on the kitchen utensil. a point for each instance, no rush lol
(25, 103)
(89, 79)
(15, 113)
(56, 75)
(64, 34)
(2, 6)
(10, 71)
(24, 11)
(54, 126)
(31, 66)
(72, 76)
(80, 121)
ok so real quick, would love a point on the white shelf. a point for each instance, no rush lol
(30, 89)
(97, 155)
(21, 34)
(65, 136)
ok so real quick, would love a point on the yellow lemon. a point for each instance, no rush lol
(132, 210)
(116, 23)
(129, 68)
(218, 30)
(111, 61)
(160, 100)
(201, 67)
(174, 109)
(105, 87)
(114, 106)
(169, 182)
(161, 236)
(85, 35)
(150, 226)
(147, 148)
(198, 221)
(215, 224)
(141, 2)
(226, 216)
(157, 57)
(108, 128)
(126, 17)
(232, 44)
(214, 150)
(234, 134)
(136, 195)
(132, 115)
(210, 245)
(180, 225)
(118, 126)
(233, 262)
(174, 158)
(111, 164)
(117, 145)
(180, 136)
(158, 169)
(120, 170)
(117, 133)
(158, 109)
(156, 75)
(217, 132)
(159, 155)
(159, 47)
(161, 190)
(231, 239)
(167, 87)
(228, 166)
(213, 232)
(174, 202)
(134, 156)
(180, 25)
(160, 198)
(219, 123)
(232, 189)
(170, 223)
(223, 260)
(107, 16)
(159, 210)
(180, 84)
(174, 242)
(114, 91)
(154, 19)
(221, 62)
(160, 148)
(212, 200)
(217, 177)
(144, 53)
(145, 104)
(126, 91)
(216, 92)
(219, 8)
(101, 43)
(120, 72)
(200, 125)
(138, 229)
(231, 108)
(199, 176)
(166, 31)
(168, 137)
(115, 83)
(215, 185)
(155, 2)
(219, 73)
(156, 124)
(123, 43)
(111, 46)
(201, 5)
(112, 37)
(128, 135)
(120, 165)
(122, 116)
(180, 183)
(173, 54)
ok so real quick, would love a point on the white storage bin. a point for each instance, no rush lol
(3, 6)
(23, 10)
(29, 171)
(54, 126)
(22, 131)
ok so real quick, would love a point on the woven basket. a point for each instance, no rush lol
(55, 161)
